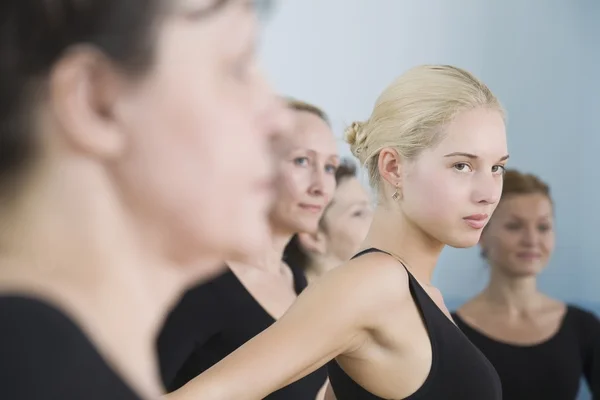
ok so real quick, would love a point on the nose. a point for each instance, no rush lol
(317, 184)
(488, 189)
(530, 236)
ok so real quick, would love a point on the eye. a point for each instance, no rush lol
(544, 228)
(498, 169)
(301, 161)
(331, 169)
(513, 227)
(463, 167)
(361, 213)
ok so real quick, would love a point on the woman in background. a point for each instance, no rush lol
(435, 148)
(120, 122)
(342, 228)
(215, 318)
(541, 347)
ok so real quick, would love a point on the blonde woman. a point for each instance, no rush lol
(435, 147)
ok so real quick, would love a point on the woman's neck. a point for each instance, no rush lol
(512, 294)
(272, 259)
(320, 265)
(69, 241)
(390, 231)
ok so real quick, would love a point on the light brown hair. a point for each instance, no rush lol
(516, 183)
(299, 105)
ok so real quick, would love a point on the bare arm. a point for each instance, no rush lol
(330, 317)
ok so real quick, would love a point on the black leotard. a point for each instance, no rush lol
(550, 370)
(44, 355)
(459, 371)
(213, 320)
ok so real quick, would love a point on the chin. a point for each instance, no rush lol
(525, 271)
(464, 242)
(306, 226)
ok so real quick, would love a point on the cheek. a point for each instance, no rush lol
(347, 232)
(329, 187)
(187, 140)
(293, 182)
(548, 243)
(433, 197)
(502, 247)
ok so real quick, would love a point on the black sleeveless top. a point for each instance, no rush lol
(45, 355)
(211, 321)
(459, 371)
(552, 369)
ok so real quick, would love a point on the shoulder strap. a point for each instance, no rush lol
(370, 250)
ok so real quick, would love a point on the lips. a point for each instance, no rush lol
(313, 208)
(529, 255)
(476, 221)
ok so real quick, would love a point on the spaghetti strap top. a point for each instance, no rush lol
(459, 371)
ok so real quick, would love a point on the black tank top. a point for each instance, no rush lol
(459, 371)
(211, 321)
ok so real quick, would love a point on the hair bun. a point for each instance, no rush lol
(355, 136)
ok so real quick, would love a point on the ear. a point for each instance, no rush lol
(389, 164)
(313, 242)
(83, 90)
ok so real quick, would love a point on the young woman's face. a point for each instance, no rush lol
(452, 189)
(519, 240)
(307, 175)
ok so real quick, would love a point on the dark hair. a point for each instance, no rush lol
(294, 254)
(34, 35)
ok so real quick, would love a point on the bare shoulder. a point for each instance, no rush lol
(552, 305)
(372, 282)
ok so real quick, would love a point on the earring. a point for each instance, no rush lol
(396, 194)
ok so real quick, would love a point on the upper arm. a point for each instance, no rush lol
(590, 333)
(331, 317)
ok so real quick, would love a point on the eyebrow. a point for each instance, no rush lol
(334, 157)
(540, 217)
(201, 12)
(472, 156)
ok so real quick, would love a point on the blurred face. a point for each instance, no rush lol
(451, 190)
(519, 239)
(306, 179)
(347, 220)
(198, 164)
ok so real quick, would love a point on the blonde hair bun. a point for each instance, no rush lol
(355, 136)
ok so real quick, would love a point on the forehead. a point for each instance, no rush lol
(480, 131)
(311, 132)
(524, 206)
(220, 21)
(350, 190)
